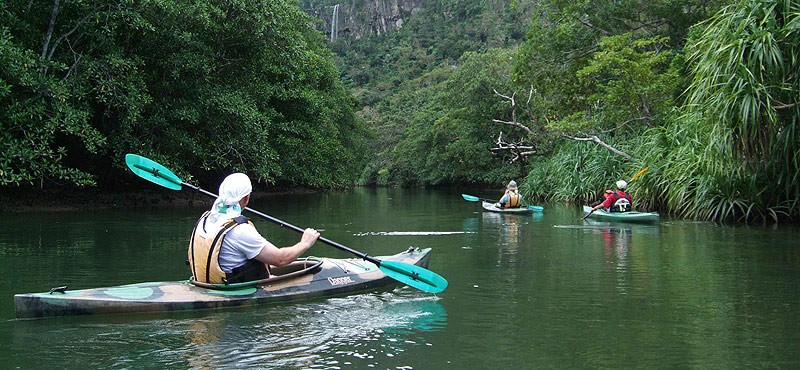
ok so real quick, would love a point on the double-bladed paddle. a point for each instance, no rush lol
(471, 198)
(406, 273)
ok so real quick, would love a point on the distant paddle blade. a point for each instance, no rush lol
(636, 176)
(153, 172)
(414, 276)
(470, 198)
(536, 208)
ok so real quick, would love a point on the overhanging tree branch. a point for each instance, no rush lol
(784, 106)
(601, 142)
(515, 124)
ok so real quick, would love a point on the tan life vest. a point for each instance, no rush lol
(513, 199)
(204, 250)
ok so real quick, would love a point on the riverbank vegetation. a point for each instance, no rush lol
(566, 97)
(205, 88)
(702, 93)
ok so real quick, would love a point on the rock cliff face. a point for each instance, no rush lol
(361, 18)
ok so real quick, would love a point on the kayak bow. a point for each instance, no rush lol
(303, 279)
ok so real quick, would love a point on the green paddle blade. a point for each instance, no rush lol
(536, 208)
(470, 198)
(415, 276)
(153, 172)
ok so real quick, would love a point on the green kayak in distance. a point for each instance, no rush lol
(303, 279)
(493, 208)
(630, 216)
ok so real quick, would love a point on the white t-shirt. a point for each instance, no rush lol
(241, 244)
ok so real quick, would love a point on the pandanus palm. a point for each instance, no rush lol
(746, 91)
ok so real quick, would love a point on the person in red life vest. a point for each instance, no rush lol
(618, 201)
(512, 198)
(226, 248)
(606, 194)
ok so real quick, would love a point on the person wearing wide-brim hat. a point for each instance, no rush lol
(512, 198)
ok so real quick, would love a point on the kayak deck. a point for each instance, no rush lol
(493, 208)
(630, 216)
(309, 278)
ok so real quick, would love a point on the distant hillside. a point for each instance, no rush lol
(382, 42)
(358, 19)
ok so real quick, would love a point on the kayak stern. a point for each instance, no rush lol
(332, 277)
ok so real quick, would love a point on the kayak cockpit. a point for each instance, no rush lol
(297, 268)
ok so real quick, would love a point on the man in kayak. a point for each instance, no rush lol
(618, 201)
(512, 198)
(227, 248)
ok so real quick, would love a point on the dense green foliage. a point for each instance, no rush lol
(743, 113)
(570, 95)
(705, 96)
(206, 88)
(729, 152)
(444, 141)
(413, 85)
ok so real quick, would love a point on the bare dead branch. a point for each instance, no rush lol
(513, 121)
(507, 146)
(515, 124)
(511, 98)
(521, 149)
(530, 96)
(597, 140)
(784, 106)
(518, 150)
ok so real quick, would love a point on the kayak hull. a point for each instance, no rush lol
(492, 208)
(323, 277)
(632, 216)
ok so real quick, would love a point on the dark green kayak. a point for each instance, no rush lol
(630, 216)
(303, 279)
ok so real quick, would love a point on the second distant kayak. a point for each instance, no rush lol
(491, 207)
(631, 216)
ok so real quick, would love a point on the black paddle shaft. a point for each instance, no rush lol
(332, 243)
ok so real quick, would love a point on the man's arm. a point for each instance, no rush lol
(504, 199)
(272, 255)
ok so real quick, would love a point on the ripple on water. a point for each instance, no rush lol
(334, 333)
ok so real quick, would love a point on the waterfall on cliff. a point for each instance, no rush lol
(335, 23)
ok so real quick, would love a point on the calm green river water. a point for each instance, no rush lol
(526, 292)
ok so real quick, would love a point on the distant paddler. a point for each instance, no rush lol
(511, 198)
(616, 201)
